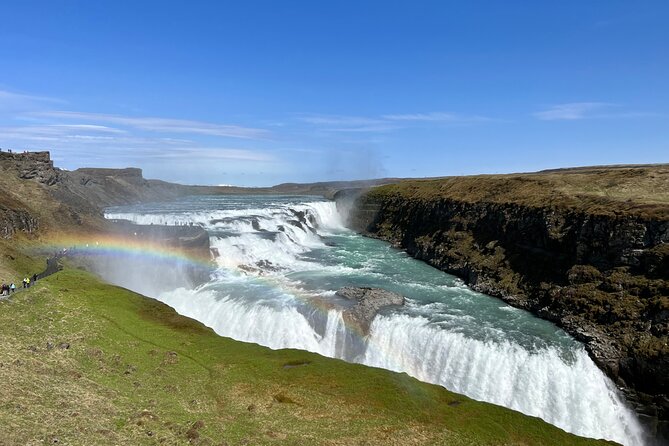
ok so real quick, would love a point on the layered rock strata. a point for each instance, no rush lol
(602, 276)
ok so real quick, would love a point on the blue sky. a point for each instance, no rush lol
(263, 92)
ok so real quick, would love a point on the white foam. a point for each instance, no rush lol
(570, 393)
(273, 326)
(575, 396)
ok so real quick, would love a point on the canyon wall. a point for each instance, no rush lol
(600, 271)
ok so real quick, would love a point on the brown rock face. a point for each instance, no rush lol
(604, 278)
(16, 220)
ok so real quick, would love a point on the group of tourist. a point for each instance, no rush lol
(10, 151)
(8, 288)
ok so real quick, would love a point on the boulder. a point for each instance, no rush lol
(367, 303)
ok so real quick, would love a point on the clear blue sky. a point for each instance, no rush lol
(262, 92)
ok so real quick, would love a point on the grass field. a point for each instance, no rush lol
(83, 362)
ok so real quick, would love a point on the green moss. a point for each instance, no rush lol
(135, 372)
(579, 274)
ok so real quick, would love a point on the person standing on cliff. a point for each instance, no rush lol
(12, 288)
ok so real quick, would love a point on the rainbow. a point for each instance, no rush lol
(123, 246)
(128, 246)
(120, 247)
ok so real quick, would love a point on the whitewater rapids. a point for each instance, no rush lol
(276, 255)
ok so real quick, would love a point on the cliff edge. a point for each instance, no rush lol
(586, 248)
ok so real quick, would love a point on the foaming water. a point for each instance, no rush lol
(565, 392)
(280, 258)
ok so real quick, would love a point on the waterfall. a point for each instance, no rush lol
(277, 258)
(572, 394)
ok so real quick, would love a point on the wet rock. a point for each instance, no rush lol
(305, 221)
(300, 216)
(367, 303)
(256, 225)
(266, 265)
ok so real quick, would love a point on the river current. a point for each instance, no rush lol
(280, 259)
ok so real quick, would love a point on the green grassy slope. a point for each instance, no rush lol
(83, 362)
(16, 263)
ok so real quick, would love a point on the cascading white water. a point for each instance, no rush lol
(572, 394)
(276, 256)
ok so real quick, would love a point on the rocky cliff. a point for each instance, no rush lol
(34, 195)
(109, 187)
(587, 249)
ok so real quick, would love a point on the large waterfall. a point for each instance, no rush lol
(281, 258)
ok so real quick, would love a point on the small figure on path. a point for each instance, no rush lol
(12, 288)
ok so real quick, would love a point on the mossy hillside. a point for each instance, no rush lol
(83, 362)
(614, 190)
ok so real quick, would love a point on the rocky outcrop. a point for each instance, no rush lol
(16, 220)
(36, 166)
(604, 278)
(366, 304)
